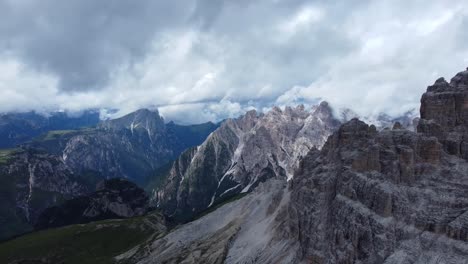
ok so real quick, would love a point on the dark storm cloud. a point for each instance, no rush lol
(201, 60)
(81, 41)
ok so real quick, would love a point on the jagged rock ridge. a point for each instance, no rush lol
(240, 154)
(388, 197)
(444, 111)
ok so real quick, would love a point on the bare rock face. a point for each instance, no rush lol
(145, 120)
(444, 111)
(392, 196)
(240, 154)
(368, 194)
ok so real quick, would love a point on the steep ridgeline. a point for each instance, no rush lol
(392, 196)
(114, 198)
(18, 128)
(130, 147)
(239, 155)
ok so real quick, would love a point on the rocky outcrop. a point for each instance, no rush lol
(240, 154)
(444, 111)
(115, 198)
(387, 197)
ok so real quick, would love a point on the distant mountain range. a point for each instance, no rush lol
(240, 191)
(63, 164)
(18, 128)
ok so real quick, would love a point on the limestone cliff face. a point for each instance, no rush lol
(240, 154)
(388, 197)
(444, 111)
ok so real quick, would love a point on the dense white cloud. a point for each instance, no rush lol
(396, 58)
(208, 60)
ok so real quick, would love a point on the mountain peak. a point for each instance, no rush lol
(276, 109)
(144, 118)
(323, 107)
(324, 112)
(241, 154)
(146, 111)
(460, 80)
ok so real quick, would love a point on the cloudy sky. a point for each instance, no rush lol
(199, 60)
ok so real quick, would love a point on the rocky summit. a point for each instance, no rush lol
(444, 111)
(241, 154)
(388, 197)
(380, 197)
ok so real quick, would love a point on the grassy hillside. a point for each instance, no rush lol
(54, 141)
(5, 154)
(97, 242)
(55, 134)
